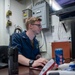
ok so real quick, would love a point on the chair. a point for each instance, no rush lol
(4, 54)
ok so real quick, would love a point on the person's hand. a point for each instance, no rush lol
(38, 56)
(39, 62)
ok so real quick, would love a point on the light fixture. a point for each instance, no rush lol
(55, 6)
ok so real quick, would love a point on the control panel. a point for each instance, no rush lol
(26, 13)
(42, 10)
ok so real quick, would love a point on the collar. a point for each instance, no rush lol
(23, 34)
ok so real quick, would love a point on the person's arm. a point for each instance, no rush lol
(16, 41)
(40, 62)
(23, 60)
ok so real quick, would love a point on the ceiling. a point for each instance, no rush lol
(66, 3)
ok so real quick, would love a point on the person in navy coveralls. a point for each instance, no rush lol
(27, 44)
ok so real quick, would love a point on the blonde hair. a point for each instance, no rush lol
(31, 20)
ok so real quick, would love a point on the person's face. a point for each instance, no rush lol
(36, 27)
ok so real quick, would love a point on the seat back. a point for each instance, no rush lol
(4, 54)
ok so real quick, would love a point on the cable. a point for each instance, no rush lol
(32, 3)
(42, 39)
(64, 27)
(58, 32)
(43, 42)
